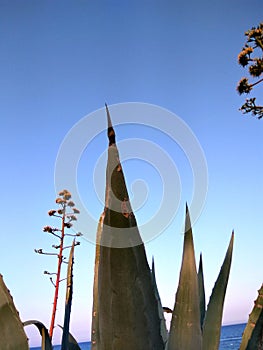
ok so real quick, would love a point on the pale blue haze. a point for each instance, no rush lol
(61, 60)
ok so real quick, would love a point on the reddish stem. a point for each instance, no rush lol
(60, 258)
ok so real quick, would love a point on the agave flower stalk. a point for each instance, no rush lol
(67, 214)
(60, 259)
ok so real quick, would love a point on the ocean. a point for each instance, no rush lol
(230, 338)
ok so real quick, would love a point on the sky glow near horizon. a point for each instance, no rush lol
(61, 62)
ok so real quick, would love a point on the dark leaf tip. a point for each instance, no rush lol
(111, 133)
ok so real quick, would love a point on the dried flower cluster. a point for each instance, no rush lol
(244, 56)
(64, 202)
(254, 42)
(244, 86)
(250, 107)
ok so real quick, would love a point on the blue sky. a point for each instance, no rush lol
(60, 61)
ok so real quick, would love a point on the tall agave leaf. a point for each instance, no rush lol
(213, 317)
(252, 336)
(72, 343)
(95, 335)
(12, 334)
(185, 331)
(201, 291)
(69, 292)
(127, 307)
(164, 332)
(45, 338)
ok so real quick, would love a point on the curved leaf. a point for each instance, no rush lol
(46, 341)
(12, 334)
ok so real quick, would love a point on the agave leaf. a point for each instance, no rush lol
(185, 331)
(252, 336)
(201, 291)
(256, 340)
(164, 332)
(127, 307)
(46, 341)
(69, 292)
(12, 333)
(72, 343)
(213, 317)
(95, 336)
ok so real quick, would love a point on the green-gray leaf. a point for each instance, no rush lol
(46, 341)
(213, 319)
(12, 334)
(185, 331)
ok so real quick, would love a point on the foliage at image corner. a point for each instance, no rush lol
(253, 334)
(10, 323)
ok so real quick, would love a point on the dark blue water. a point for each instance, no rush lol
(230, 339)
(231, 336)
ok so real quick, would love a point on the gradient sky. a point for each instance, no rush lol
(62, 60)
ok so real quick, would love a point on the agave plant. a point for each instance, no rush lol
(127, 311)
